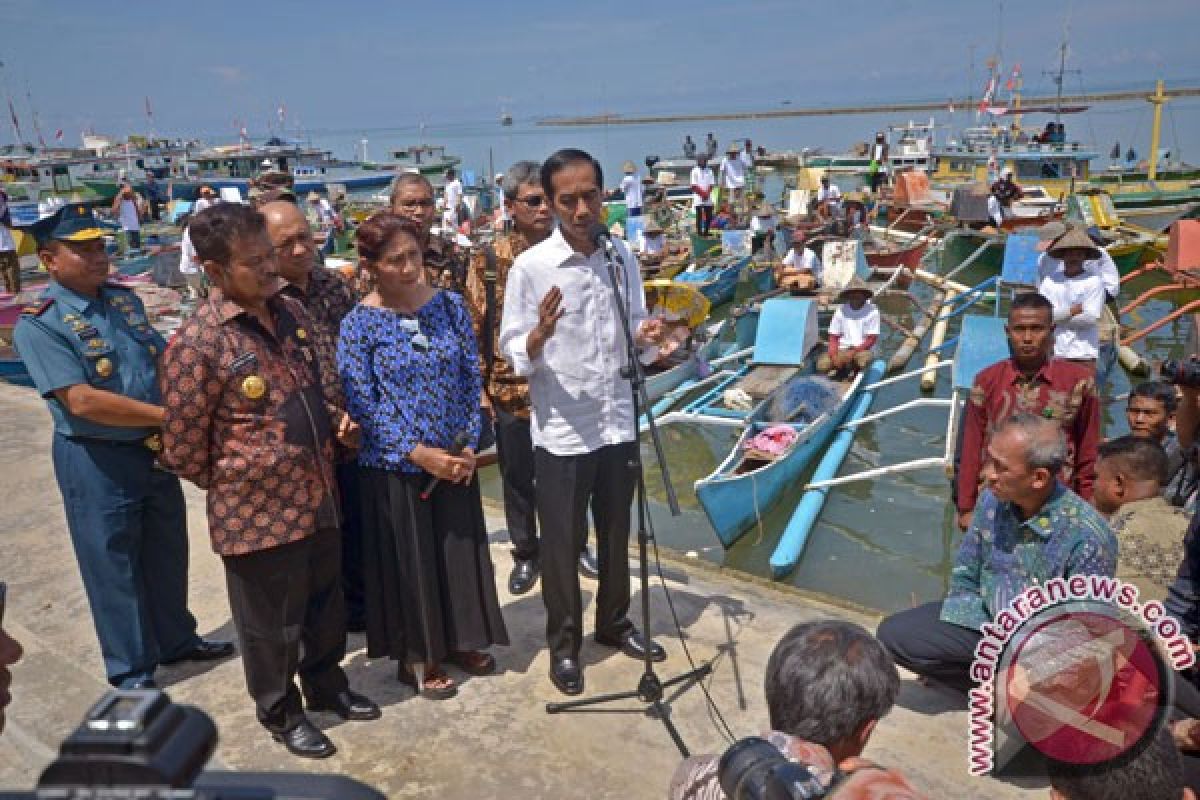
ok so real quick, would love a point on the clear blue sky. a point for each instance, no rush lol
(340, 65)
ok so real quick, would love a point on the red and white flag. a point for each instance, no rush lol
(1013, 78)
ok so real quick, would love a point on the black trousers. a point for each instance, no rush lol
(704, 215)
(352, 549)
(568, 486)
(922, 643)
(514, 449)
(284, 600)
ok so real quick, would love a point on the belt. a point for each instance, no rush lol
(153, 442)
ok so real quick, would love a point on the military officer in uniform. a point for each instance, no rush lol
(92, 354)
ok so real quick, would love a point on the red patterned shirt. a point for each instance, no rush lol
(1060, 390)
(857, 779)
(248, 417)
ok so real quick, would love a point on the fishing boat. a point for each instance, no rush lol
(775, 388)
(680, 303)
(427, 159)
(761, 275)
(717, 278)
(235, 166)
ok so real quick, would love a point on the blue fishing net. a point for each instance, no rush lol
(803, 399)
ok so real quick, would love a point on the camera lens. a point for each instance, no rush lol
(744, 768)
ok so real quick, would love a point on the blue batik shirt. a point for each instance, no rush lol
(410, 379)
(1002, 556)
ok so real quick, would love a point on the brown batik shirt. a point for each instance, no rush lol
(328, 299)
(445, 268)
(249, 418)
(507, 390)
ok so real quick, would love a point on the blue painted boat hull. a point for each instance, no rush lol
(762, 278)
(795, 536)
(718, 283)
(734, 502)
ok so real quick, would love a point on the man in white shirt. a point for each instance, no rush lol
(732, 174)
(702, 182)
(1077, 297)
(853, 332)
(829, 198)
(562, 330)
(1103, 267)
(631, 186)
(651, 244)
(800, 270)
(128, 206)
(452, 195)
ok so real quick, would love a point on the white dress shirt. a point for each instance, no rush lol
(1075, 336)
(733, 172)
(705, 179)
(580, 401)
(1103, 268)
(854, 326)
(631, 185)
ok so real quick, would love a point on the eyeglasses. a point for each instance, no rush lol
(533, 200)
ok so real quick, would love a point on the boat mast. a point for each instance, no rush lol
(1158, 100)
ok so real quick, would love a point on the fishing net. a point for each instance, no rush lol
(804, 399)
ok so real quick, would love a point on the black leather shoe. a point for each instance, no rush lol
(306, 741)
(204, 650)
(588, 567)
(524, 575)
(633, 644)
(346, 704)
(567, 676)
(356, 625)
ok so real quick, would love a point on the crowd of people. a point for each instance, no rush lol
(335, 423)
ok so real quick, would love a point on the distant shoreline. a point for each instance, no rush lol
(830, 111)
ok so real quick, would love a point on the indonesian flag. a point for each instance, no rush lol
(988, 93)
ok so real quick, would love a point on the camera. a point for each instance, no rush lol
(1181, 373)
(754, 769)
(138, 744)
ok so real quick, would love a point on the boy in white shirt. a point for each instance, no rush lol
(702, 182)
(1077, 297)
(631, 186)
(853, 332)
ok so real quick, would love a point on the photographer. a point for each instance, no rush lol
(828, 684)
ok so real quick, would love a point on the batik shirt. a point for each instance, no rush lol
(1060, 390)
(507, 390)
(410, 380)
(1003, 555)
(328, 299)
(697, 778)
(249, 418)
(1150, 534)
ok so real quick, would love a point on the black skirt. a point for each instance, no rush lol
(428, 583)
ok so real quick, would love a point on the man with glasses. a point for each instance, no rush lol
(94, 357)
(327, 298)
(506, 394)
(412, 198)
(10, 653)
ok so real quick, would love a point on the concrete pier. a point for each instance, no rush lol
(494, 739)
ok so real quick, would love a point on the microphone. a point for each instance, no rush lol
(599, 235)
(456, 448)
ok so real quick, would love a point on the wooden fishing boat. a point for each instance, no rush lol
(716, 278)
(683, 303)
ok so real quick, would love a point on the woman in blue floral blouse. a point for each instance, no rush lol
(409, 364)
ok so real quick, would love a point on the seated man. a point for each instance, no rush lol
(1150, 412)
(1130, 473)
(651, 244)
(828, 684)
(853, 332)
(1027, 529)
(800, 270)
(1156, 773)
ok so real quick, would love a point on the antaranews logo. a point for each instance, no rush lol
(1077, 669)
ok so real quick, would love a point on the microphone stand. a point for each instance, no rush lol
(650, 688)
